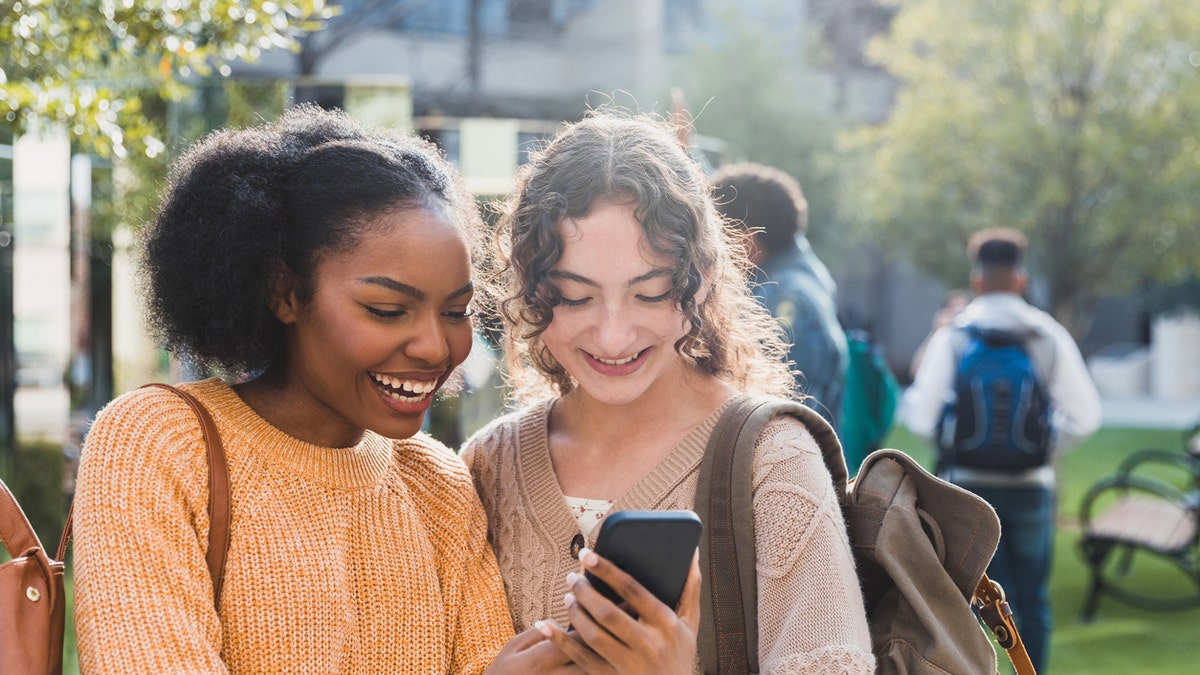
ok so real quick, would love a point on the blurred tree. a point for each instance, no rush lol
(88, 63)
(752, 87)
(121, 76)
(1074, 121)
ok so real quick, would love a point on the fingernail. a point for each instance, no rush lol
(572, 578)
(542, 628)
(569, 600)
(588, 558)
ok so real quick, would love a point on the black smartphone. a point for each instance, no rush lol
(654, 547)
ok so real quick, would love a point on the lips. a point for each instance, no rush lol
(404, 390)
(624, 365)
(617, 362)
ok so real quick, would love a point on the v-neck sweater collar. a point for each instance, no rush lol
(546, 497)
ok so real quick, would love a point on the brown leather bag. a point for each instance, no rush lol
(32, 606)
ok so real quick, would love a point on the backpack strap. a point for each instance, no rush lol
(728, 632)
(996, 614)
(218, 495)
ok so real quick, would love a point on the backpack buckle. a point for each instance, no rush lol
(995, 612)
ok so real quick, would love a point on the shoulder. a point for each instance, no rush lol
(429, 463)
(147, 417)
(786, 438)
(791, 449)
(502, 436)
(146, 444)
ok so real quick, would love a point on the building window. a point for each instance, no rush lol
(449, 140)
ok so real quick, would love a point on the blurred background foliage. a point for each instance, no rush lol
(1074, 121)
(111, 70)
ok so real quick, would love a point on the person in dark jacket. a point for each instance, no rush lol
(791, 281)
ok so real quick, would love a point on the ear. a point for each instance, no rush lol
(1020, 282)
(977, 288)
(281, 294)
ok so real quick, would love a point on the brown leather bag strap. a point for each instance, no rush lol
(994, 610)
(16, 532)
(218, 495)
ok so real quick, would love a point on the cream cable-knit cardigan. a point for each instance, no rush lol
(811, 616)
(368, 559)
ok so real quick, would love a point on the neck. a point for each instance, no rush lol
(601, 450)
(666, 410)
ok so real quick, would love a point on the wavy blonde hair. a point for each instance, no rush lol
(617, 156)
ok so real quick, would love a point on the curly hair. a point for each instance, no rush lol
(612, 155)
(779, 208)
(241, 205)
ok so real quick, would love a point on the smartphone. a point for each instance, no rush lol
(654, 547)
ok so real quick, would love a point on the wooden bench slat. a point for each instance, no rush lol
(1148, 522)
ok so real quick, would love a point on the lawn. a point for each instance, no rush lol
(1121, 639)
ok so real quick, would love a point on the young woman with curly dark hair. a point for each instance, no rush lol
(630, 328)
(327, 269)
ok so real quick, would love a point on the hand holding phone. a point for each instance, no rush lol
(653, 547)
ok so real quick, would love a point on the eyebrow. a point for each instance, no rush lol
(412, 291)
(571, 276)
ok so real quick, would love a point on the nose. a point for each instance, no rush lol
(429, 342)
(615, 333)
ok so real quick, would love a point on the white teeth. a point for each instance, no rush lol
(617, 362)
(405, 390)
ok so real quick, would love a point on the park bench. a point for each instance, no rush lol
(1145, 514)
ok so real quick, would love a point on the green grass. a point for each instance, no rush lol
(1120, 639)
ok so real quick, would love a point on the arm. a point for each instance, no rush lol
(528, 652)
(483, 624)
(1076, 403)
(474, 591)
(143, 592)
(818, 347)
(924, 399)
(811, 616)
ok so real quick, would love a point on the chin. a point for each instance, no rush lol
(399, 430)
(614, 396)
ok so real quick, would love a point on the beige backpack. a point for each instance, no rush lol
(921, 544)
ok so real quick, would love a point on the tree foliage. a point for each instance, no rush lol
(1074, 121)
(753, 88)
(89, 64)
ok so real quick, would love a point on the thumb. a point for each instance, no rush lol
(526, 639)
(688, 610)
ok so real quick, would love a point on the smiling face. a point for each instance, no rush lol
(388, 321)
(616, 326)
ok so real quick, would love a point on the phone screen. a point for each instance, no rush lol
(654, 547)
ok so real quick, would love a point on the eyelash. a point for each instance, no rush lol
(386, 314)
(393, 315)
(657, 298)
(651, 300)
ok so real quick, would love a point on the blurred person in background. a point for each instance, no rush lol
(790, 280)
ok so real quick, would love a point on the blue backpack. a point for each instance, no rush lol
(999, 416)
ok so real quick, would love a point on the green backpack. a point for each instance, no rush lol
(869, 401)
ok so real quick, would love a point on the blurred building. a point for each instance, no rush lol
(487, 80)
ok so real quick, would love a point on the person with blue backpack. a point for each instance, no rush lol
(999, 391)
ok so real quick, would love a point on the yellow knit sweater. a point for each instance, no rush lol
(369, 559)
